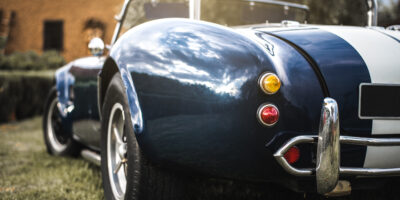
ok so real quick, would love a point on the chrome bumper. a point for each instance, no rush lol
(328, 141)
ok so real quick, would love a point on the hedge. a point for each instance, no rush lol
(31, 61)
(23, 93)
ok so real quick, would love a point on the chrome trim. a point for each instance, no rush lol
(343, 140)
(260, 79)
(283, 3)
(370, 141)
(91, 156)
(279, 155)
(120, 19)
(328, 150)
(260, 108)
(359, 102)
(370, 171)
(372, 12)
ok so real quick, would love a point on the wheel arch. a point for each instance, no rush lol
(105, 76)
(110, 68)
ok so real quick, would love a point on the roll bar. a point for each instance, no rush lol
(120, 19)
(372, 12)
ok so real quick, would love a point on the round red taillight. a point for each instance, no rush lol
(292, 155)
(268, 114)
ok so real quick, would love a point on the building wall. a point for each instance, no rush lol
(26, 32)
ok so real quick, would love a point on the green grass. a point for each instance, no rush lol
(27, 171)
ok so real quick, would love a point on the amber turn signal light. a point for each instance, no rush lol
(269, 83)
(268, 114)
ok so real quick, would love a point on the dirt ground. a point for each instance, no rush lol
(27, 171)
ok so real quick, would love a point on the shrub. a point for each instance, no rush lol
(22, 94)
(52, 60)
(31, 61)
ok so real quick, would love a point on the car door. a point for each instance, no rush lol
(85, 116)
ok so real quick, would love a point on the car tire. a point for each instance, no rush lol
(143, 180)
(57, 140)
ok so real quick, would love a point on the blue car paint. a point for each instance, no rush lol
(65, 78)
(76, 84)
(193, 94)
(63, 81)
(343, 70)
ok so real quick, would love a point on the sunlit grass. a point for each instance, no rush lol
(27, 171)
(18, 73)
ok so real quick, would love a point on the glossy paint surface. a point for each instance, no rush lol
(77, 86)
(343, 70)
(193, 92)
(381, 55)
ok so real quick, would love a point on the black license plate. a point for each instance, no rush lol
(379, 101)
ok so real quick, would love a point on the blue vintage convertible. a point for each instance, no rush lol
(177, 102)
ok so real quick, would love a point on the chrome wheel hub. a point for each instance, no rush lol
(117, 151)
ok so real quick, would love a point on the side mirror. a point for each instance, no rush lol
(96, 46)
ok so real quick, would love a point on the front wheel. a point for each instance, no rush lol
(58, 141)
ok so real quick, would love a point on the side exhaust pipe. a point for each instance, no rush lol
(91, 156)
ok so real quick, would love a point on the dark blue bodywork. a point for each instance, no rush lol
(77, 93)
(193, 92)
(342, 69)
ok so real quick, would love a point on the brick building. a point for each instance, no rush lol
(64, 25)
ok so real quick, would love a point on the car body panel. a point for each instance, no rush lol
(378, 54)
(77, 86)
(193, 93)
(200, 113)
(343, 70)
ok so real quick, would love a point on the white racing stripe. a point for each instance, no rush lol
(381, 53)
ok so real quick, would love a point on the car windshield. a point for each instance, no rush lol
(224, 12)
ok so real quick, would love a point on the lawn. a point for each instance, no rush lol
(27, 171)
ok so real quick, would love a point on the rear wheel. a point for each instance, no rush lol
(58, 141)
(126, 173)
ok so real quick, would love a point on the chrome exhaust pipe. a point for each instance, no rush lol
(91, 156)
